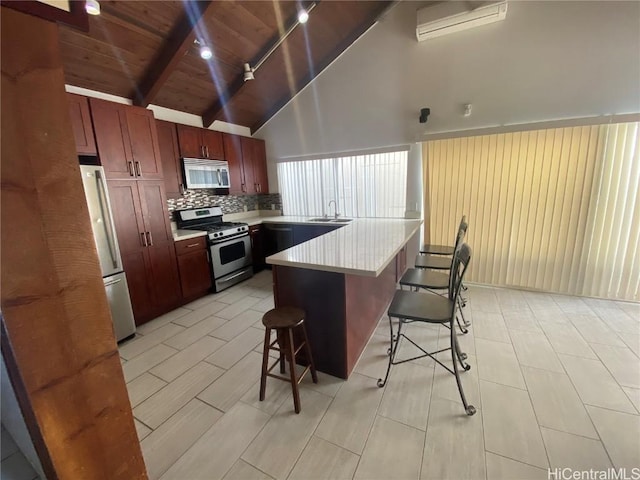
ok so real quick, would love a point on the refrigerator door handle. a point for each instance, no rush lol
(106, 219)
(113, 282)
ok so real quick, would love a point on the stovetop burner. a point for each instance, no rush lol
(210, 220)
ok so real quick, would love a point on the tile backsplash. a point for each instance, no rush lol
(229, 203)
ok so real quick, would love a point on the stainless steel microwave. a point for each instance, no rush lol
(199, 173)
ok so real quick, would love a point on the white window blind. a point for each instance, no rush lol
(372, 185)
(556, 210)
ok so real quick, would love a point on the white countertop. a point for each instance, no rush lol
(364, 246)
(187, 234)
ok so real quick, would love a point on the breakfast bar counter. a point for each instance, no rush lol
(344, 281)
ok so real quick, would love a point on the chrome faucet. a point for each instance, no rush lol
(335, 208)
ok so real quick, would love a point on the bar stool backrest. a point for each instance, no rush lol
(461, 259)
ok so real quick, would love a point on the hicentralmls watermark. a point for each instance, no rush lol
(591, 474)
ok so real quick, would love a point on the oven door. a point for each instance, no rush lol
(231, 255)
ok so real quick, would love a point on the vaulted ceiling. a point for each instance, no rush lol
(145, 51)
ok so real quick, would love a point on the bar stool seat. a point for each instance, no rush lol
(284, 320)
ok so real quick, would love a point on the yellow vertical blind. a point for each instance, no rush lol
(553, 210)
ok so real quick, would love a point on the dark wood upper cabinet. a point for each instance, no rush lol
(81, 123)
(127, 140)
(200, 143)
(170, 156)
(247, 164)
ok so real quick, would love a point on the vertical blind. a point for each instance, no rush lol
(554, 210)
(372, 185)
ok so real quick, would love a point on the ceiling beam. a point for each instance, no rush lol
(210, 114)
(180, 39)
(325, 62)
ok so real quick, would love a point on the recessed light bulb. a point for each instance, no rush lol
(92, 7)
(205, 52)
(303, 16)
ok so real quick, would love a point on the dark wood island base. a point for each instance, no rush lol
(342, 310)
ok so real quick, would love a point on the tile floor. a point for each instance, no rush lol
(555, 380)
(14, 465)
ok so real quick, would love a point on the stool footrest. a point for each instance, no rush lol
(287, 379)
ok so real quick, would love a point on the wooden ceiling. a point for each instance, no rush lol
(145, 51)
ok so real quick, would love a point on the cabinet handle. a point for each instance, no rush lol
(192, 245)
(138, 169)
(144, 239)
(150, 239)
(130, 168)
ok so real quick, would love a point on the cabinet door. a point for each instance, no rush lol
(112, 138)
(136, 266)
(163, 276)
(127, 215)
(81, 124)
(233, 155)
(213, 147)
(144, 143)
(257, 247)
(190, 142)
(154, 211)
(170, 156)
(247, 164)
(195, 273)
(259, 161)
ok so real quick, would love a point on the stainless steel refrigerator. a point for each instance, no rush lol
(104, 233)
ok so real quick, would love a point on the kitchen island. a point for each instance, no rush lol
(344, 281)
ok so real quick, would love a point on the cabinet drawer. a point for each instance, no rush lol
(254, 229)
(190, 245)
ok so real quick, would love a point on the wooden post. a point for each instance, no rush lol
(57, 335)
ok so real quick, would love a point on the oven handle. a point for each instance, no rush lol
(233, 276)
(230, 240)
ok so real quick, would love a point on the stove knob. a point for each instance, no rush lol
(239, 229)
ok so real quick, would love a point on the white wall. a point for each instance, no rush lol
(546, 61)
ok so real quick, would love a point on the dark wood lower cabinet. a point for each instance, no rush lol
(193, 265)
(257, 247)
(164, 279)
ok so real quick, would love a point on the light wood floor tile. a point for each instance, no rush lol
(595, 385)
(406, 396)
(510, 426)
(466, 341)
(634, 396)
(497, 362)
(569, 304)
(349, 418)
(621, 362)
(244, 320)
(17, 467)
(446, 387)
(521, 320)
(501, 468)
(228, 355)
(234, 294)
(149, 359)
(556, 403)
(571, 451)
(170, 440)
(327, 384)
(490, 326)
(566, 339)
(594, 330)
(264, 305)
(322, 460)
(620, 434)
(241, 470)
(141, 344)
(160, 406)
(618, 320)
(507, 296)
(382, 459)
(632, 341)
(374, 359)
(218, 449)
(195, 332)
(207, 310)
(141, 429)
(7, 446)
(534, 350)
(277, 393)
(233, 310)
(162, 320)
(182, 361)
(231, 386)
(425, 335)
(201, 302)
(279, 444)
(143, 387)
(454, 446)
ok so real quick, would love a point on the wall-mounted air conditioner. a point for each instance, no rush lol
(449, 17)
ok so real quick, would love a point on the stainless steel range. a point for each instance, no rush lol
(229, 244)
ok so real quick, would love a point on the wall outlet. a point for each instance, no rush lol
(256, 206)
(245, 208)
(273, 206)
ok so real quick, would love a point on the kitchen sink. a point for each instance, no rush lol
(341, 220)
(330, 220)
(321, 219)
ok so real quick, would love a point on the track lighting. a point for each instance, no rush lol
(92, 7)
(248, 72)
(303, 15)
(205, 52)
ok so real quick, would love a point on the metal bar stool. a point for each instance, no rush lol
(446, 250)
(283, 320)
(409, 307)
(440, 262)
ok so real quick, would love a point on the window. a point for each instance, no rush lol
(372, 185)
